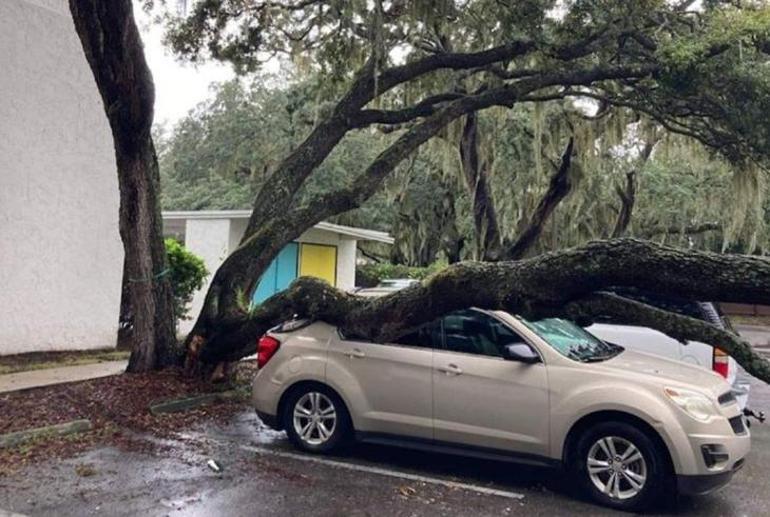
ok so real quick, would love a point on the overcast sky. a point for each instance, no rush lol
(178, 87)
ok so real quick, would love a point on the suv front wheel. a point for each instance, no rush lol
(315, 419)
(620, 466)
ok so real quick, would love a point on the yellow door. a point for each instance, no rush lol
(319, 261)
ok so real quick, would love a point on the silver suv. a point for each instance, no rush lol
(492, 385)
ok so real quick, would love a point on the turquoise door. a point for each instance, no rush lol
(281, 273)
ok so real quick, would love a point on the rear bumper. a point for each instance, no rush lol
(705, 483)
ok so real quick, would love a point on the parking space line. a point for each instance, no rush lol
(385, 472)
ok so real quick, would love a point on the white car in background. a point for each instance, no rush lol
(651, 341)
(645, 339)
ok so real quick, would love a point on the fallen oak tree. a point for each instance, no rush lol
(565, 283)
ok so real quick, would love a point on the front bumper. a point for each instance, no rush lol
(705, 483)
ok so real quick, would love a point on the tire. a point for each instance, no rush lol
(640, 482)
(320, 408)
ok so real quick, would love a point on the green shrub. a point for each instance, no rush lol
(369, 275)
(187, 273)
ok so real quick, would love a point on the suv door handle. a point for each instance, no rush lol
(355, 353)
(451, 369)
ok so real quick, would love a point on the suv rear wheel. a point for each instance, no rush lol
(620, 466)
(315, 419)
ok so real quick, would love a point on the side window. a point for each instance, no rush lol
(426, 336)
(473, 332)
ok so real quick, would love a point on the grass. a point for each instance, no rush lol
(43, 360)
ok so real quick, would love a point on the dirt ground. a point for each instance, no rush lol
(118, 408)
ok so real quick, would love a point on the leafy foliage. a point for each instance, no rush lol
(187, 273)
(223, 151)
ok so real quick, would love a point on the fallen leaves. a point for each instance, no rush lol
(85, 470)
(118, 408)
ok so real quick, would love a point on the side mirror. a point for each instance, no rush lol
(520, 352)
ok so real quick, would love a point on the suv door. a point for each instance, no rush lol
(481, 399)
(387, 386)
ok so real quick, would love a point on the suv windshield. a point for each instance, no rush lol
(572, 341)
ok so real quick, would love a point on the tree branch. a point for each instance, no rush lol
(679, 327)
(558, 188)
(560, 283)
(422, 109)
(627, 197)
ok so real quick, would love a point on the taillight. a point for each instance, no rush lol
(720, 362)
(266, 349)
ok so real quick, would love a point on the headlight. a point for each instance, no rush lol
(698, 406)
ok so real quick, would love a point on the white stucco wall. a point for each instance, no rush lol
(346, 264)
(210, 240)
(60, 253)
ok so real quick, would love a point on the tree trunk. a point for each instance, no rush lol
(566, 283)
(475, 173)
(153, 335)
(113, 48)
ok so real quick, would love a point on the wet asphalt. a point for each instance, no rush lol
(262, 475)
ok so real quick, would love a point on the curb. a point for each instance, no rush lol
(15, 438)
(173, 406)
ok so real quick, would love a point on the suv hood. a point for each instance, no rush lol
(665, 371)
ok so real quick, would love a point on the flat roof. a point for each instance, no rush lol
(361, 234)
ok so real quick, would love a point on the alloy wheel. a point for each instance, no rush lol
(315, 418)
(616, 467)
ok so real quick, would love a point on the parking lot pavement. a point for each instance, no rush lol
(262, 475)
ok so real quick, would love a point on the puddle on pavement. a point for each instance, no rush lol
(244, 429)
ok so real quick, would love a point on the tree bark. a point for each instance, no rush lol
(113, 48)
(627, 197)
(559, 187)
(475, 173)
(628, 194)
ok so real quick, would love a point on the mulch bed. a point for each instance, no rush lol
(118, 408)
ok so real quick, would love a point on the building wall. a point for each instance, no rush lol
(61, 258)
(209, 239)
(214, 239)
(346, 264)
